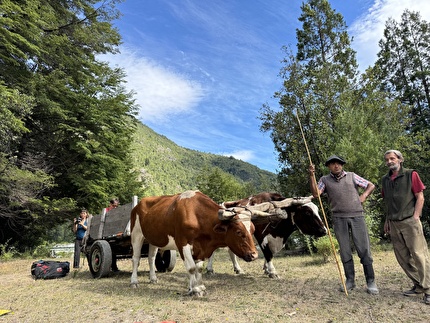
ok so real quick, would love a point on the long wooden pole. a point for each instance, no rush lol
(322, 208)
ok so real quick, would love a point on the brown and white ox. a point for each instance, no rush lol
(273, 235)
(189, 223)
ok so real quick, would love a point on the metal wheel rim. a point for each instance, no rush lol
(95, 260)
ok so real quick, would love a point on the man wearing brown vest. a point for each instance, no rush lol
(347, 212)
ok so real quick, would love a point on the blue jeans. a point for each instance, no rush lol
(360, 237)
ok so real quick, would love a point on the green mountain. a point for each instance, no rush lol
(167, 168)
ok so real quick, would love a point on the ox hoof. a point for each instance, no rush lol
(198, 291)
(134, 285)
(210, 272)
(273, 276)
(153, 281)
(197, 294)
(239, 272)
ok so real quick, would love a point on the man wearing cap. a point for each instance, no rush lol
(347, 212)
(402, 190)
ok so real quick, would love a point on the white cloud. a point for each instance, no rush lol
(368, 29)
(160, 92)
(244, 155)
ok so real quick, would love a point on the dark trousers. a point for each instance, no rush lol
(360, 237)
(77, 257)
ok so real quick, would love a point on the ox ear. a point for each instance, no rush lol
(220, 228)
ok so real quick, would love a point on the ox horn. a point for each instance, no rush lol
(225, 214)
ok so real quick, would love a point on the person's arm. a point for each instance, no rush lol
(82, 223)
(418, 205)
(369, 189)
(386, 223)
(417, 188)
(313, 183)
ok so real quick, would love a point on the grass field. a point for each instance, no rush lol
(306, 292)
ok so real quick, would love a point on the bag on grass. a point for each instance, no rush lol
(49, 269)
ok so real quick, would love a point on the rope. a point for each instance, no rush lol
(322, 208)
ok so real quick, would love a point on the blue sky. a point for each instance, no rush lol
(202, 70)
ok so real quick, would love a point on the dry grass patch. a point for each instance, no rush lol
(306, 292)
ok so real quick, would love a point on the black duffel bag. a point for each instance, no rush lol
(49, 269)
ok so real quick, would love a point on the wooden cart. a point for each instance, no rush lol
(108, 238)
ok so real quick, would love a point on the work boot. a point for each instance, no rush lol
(426, 299)
(414, 291)
(370, 279)
(348, 268)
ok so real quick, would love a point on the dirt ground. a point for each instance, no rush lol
(306, 292)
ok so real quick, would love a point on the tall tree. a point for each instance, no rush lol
(79, 131)
(403, 69)
(322, 68)
(340, 113)
(404, 65)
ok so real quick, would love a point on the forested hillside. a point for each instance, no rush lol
(167, 168)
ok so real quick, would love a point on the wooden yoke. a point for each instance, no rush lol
(263, 212)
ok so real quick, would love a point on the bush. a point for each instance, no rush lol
(42, 251)
(7, 252)
(324, 247)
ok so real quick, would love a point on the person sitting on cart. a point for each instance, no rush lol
(113, 204)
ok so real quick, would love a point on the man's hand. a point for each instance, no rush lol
(387, 227)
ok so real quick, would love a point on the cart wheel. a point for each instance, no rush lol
(100, 259)
(165, 260)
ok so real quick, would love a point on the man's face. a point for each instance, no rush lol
(335, 167)
(392, 161)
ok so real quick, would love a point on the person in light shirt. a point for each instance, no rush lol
(342, 190)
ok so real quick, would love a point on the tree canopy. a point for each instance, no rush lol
(71, 116)
(403, 65)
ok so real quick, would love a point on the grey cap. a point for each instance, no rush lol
(335, 158)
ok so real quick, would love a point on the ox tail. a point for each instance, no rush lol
(133, 216)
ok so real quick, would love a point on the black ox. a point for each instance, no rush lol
(272, 236)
